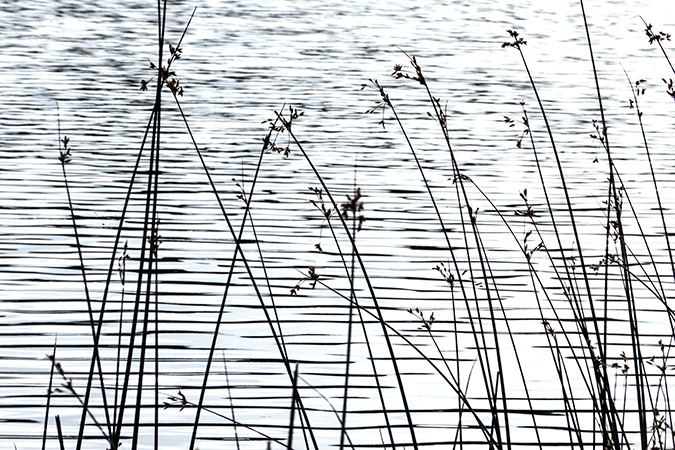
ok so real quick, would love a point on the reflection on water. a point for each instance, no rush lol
(242, 61)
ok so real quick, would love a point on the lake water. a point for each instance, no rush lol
(242, 60)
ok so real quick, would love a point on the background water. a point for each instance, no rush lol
(242, 61)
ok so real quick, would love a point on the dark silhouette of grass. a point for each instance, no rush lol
(49, 397)
(578, 346)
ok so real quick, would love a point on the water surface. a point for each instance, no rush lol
(242, 61)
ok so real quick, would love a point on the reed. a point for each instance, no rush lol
(596, 411)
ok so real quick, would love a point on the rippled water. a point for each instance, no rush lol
(242, 61)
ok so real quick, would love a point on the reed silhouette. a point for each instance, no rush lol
(572, 298)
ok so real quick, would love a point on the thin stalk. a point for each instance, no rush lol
(509, 332)
(156, 349)
(345, 396)
(229, 396)
(49, 396)
(116, 243)
(572, 294)
(666, 234)
(64, 158)
(458, 432)
(441, 118)
(122, 268)
(599, 369)
(118, 235)
(640, 377)
(304, 418)
(68, 386)
(59, 432)
(658, 37)
(337, 414)
(612, 195)
(275, 310)
(119, 231)
(149, 222)
(153, 181)
(449, 378)
(294, 395)
(144, 259)
(535, 275)
(371, 290)
(183, 402)
(485, 366)
(371, 356)
(237, 250)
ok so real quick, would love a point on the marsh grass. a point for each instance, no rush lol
(630, 410)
